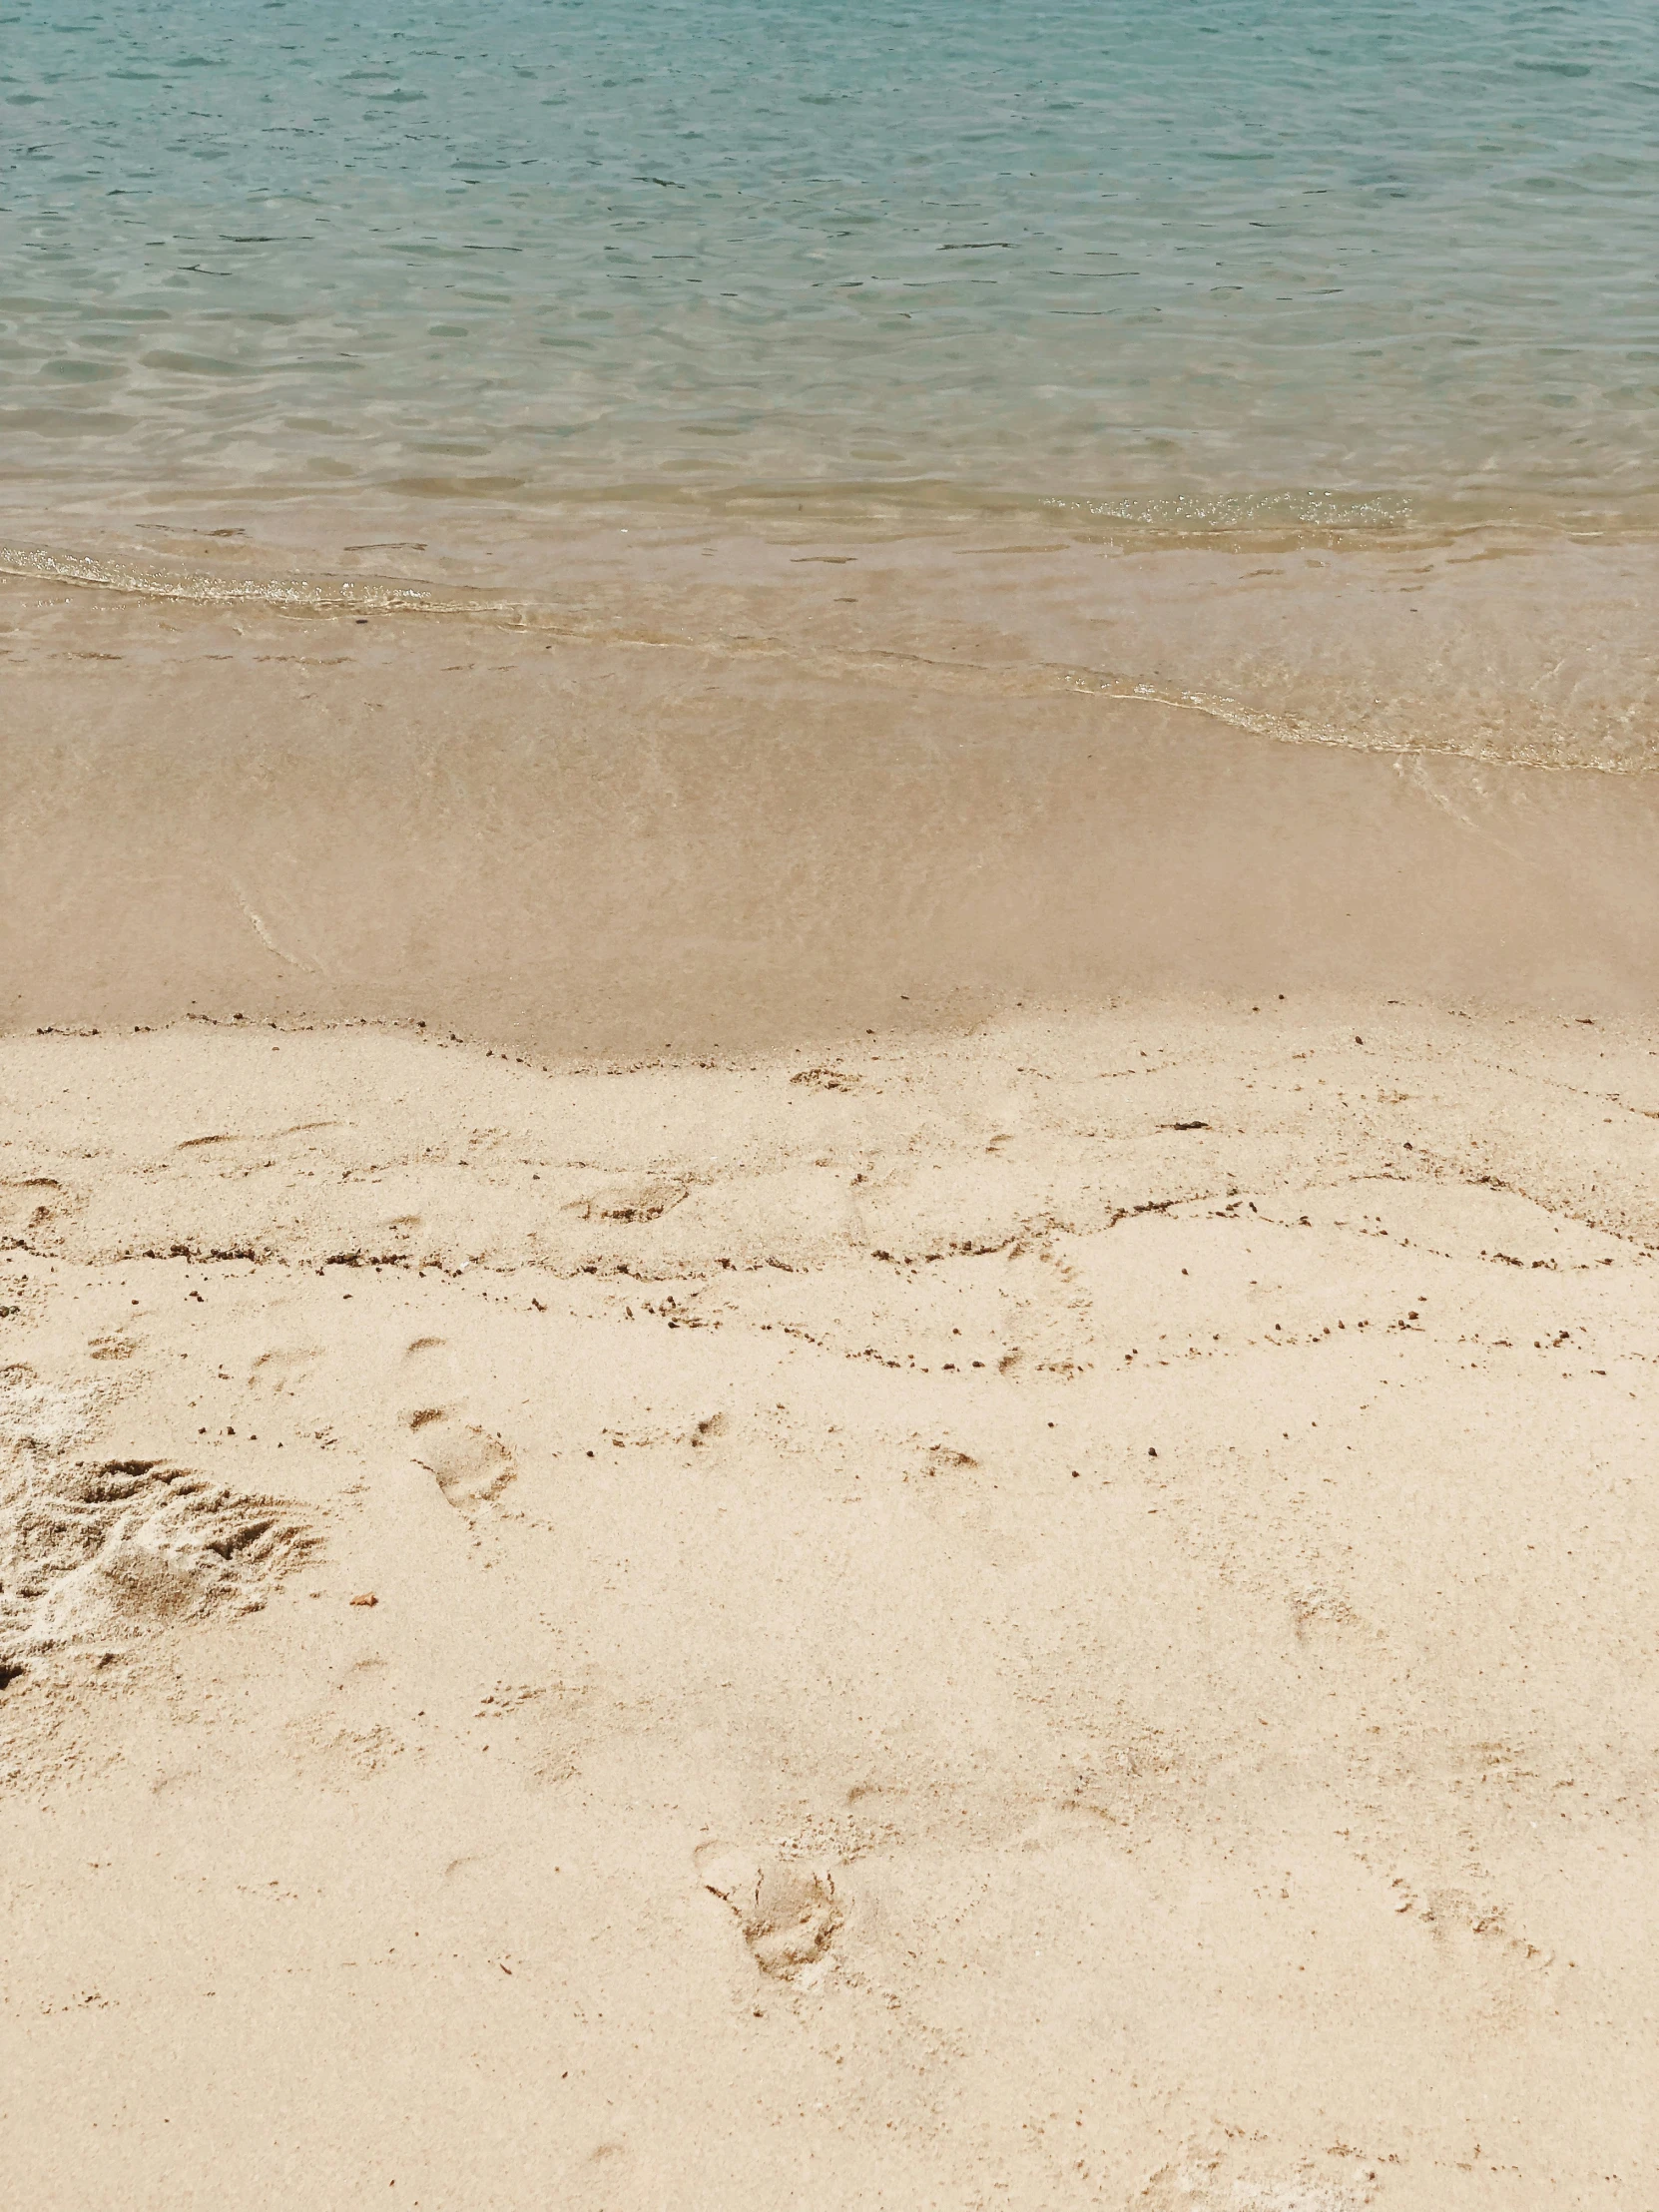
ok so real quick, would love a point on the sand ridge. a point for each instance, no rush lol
(1054, 1618)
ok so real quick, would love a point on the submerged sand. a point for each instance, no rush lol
(1054, 1618)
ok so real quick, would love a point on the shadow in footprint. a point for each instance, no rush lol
(637, 1199)
(471, 1465)
(786, 1908)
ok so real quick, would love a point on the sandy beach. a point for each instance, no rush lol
(828, 1107)
(1053, 1616)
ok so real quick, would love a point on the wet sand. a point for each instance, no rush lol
(625, 849)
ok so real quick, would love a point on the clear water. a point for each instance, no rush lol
(1195, 263)
(1296, 359)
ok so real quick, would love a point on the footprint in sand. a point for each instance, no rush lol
(946, 1460)
(30, 1205)
(281, 1370)
(635, 1199)
(786, 1908)
(471, 1465)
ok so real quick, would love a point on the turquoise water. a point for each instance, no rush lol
(1197, 263)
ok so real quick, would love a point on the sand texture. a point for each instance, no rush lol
(1056, 1619)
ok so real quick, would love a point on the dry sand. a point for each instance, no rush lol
(1056, 1619)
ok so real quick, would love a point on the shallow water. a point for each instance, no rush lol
(1198, 264)
(1298, 364)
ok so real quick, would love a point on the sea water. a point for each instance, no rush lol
(1346, 283)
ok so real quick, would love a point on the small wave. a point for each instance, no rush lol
(321, 595)
(202, 588)
(1242, 514)
(1052, 678)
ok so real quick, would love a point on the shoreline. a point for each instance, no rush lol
(1489, 641)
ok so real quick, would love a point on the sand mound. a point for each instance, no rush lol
(101, 1552)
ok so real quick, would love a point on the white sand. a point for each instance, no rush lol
(941, 1639)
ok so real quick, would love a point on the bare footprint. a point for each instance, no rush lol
(30, 1205)
(471, 1465)
(634, 1200)
(278, 1370)
(786, 1908)
(946, 1460)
